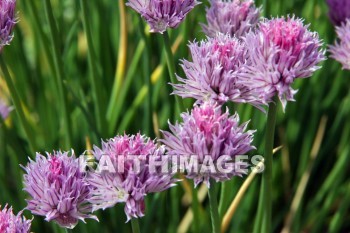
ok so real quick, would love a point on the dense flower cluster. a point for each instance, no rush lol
(341, 50)
(127, 184)
(233, 17)
(58, 189)
(10, 223)
(208, 131)
(281, 50)
(217, 63)
(339, 11)
(7, 21)
(162, 14)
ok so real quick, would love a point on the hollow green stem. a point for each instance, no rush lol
(147, 121)
(265, 11)
(96, 85)
(224, 198)
(59, 72)
(267, 176)
(171, 67)
(17, 102)
(135, 225)
(214, 213)
(114, 107)
(175, 210)
(41, 34)
(195, 209)
(339, 218)
(260, 212)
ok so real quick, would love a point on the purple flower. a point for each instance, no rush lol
(162, 14)
(7, 21)
(233, 17)
(4, 110)
(341, 50)
(282, 50)
(10, 223)
(125, 173)
(339, 11)
(58, 189)
(210, 136)
(212, 75)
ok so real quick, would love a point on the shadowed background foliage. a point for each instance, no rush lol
(123, 89)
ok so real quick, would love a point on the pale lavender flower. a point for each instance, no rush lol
(341, 50)
(162, 14)
(58, 189)
(7, 21)
(129, 178)
(212, 75)
(10, 223)
(233, 17)
(4, 110)
(280, 51)
(339, 11)
(206, 131)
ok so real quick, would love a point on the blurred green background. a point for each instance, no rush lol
(126, 68)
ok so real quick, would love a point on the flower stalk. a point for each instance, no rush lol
(267, 176)
(214, 213)
(265, 13)
(171, 67)
(59, 72)
(135, 225)
(119, 79)
(97, 94)
(17, 102)
(195, 209)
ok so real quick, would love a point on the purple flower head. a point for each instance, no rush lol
(213, 73)
(339, 11)
(341, 50)
(4, 110)
(209, 135)
(58, 189)
(282, 50)
(7, 21)
(233, 17)
(10, 223)
(162, 14)
(130, 175)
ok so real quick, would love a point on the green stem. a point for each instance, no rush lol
(175, 210)
(59, 72)
(339, 217)
(260, 212)
(130, 113)
(171, 67)
(267, 176)
(58, 229)
(214, 213)
(336, 175)
(224, 198)
(17, 102)
(265, 8)
(147, 121)
(96, 87)
(41, 34)
(195, 209)
(115, 106)
(135, 225)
